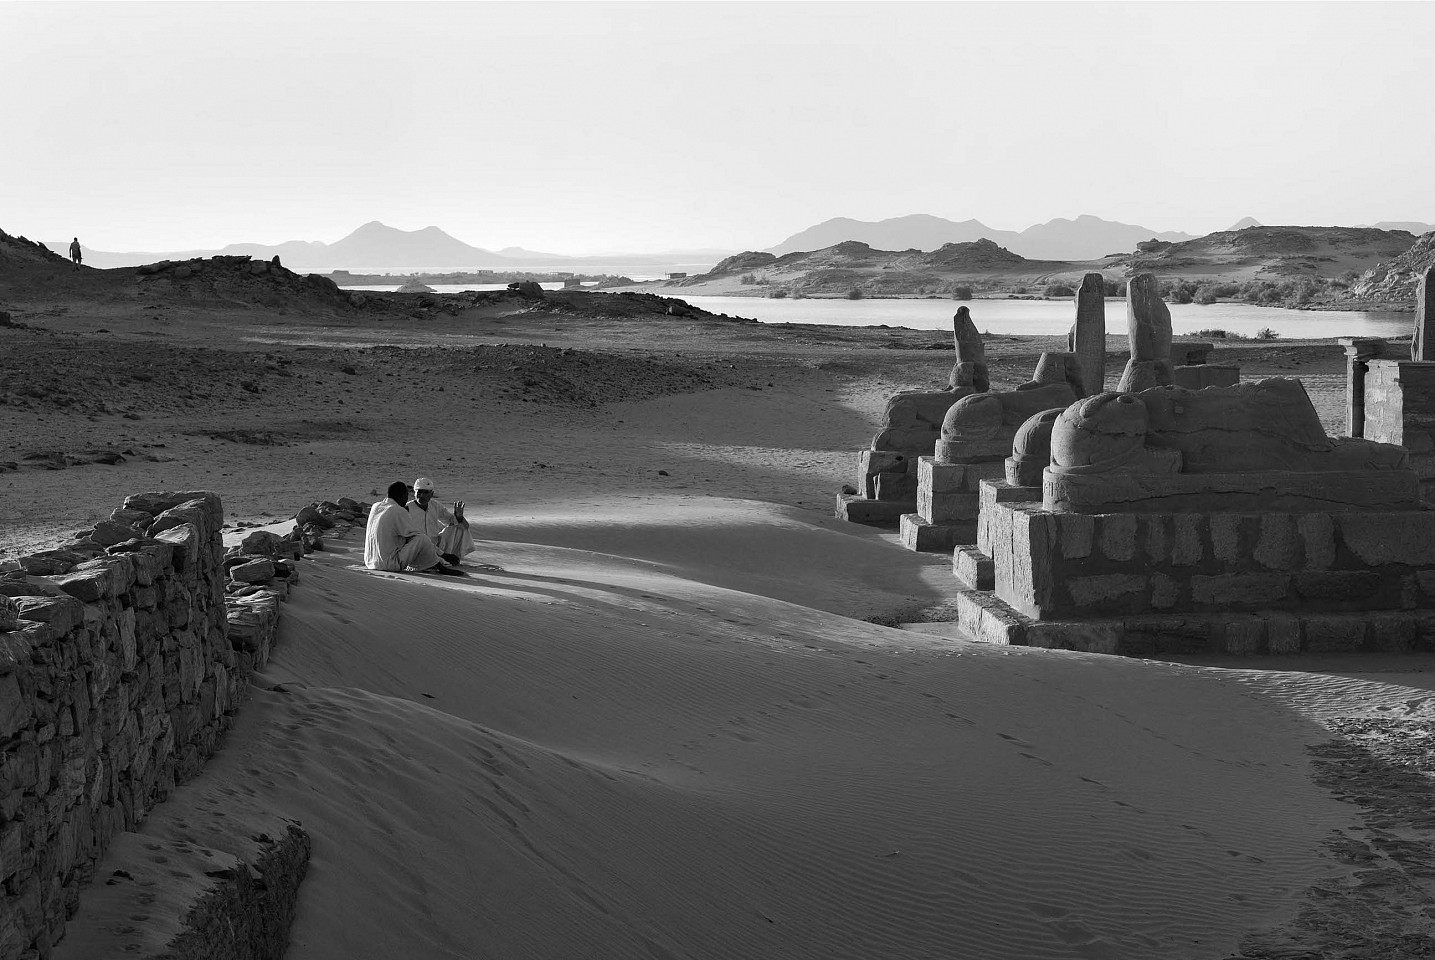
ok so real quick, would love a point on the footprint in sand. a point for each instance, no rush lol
(1016, 740)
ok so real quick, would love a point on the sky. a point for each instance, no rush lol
(594, 127)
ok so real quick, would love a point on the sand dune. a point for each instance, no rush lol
(629, 744)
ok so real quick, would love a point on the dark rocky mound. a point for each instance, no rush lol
(14, 250)
(240, 280)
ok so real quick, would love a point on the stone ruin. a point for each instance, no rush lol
(978, 432)
(911, 426)
(125, 654)
(1392, 399)
(1172, 520)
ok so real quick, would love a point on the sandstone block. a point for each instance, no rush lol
(919, 534)
(1317, 534)
(1283, 633)
(1188, 548)
(1332, 634)
(1097, 592)
(1088, 636)
(1226, 537)
(1117, 532)
(1277, 546)
(1337, 585)
(1243, 637)
(1398, 537)
(1165, 591)
(1391, 632)
(1239, 589)
(1077, 533)
(973, 567)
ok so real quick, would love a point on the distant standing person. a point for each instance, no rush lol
(75, 251)
(392, 542)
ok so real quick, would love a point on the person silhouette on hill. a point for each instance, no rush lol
(75, 251)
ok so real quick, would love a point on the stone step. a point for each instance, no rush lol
(986, 617)
(926, 537)
(877, 513)
(973, 568)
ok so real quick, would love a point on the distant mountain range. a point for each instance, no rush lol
(378, 246)
(1085, 238)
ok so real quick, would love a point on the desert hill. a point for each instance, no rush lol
(1085, 238)
(853, 268)
(1269, 253)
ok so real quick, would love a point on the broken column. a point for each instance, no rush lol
(1088, 335)
(1422, 344)
(1148, 327)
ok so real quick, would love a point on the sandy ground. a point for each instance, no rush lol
(666, 728)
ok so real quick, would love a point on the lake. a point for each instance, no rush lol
(1049, 317)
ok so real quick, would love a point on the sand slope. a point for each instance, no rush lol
(608, 756)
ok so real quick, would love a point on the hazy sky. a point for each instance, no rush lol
(599, 127)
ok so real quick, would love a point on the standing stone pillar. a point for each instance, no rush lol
(1359, 351)
(969, 374)
(1088, 335)
(1148, 326)
(1422, 345)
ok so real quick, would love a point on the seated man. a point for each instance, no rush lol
(448, 529)
(393, 543)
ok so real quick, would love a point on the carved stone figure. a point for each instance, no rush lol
(1088, 335)
(1148, 325)
(969, 373)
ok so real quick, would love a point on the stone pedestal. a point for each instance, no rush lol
(972, 564)
(1207, 582)
(1399, 407)
(948, 503)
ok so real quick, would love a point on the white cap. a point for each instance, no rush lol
(423, 483)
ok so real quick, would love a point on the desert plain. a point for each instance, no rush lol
(684, 720)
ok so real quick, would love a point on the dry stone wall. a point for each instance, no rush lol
(123, 657)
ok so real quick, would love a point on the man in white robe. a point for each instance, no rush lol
(392, 542)
(447, 529)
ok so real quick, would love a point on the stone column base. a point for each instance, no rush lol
(925, 536)
(876, 513)
(985, 617)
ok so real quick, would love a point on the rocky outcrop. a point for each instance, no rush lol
(1397, 280)
(242, 280)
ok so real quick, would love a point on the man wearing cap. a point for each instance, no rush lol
(446, 529)
(391, 541)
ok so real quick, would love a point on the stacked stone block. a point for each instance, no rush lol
(948, 504)
(1146, 583)
(1399, 407)
(118, 674)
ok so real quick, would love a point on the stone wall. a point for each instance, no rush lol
(122, 661)
(1070, 565)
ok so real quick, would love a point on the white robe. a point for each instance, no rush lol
(437, 523)
(392, 542)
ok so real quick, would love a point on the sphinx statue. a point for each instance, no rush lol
(1252, 446)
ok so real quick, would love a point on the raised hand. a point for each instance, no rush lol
(458, 516)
